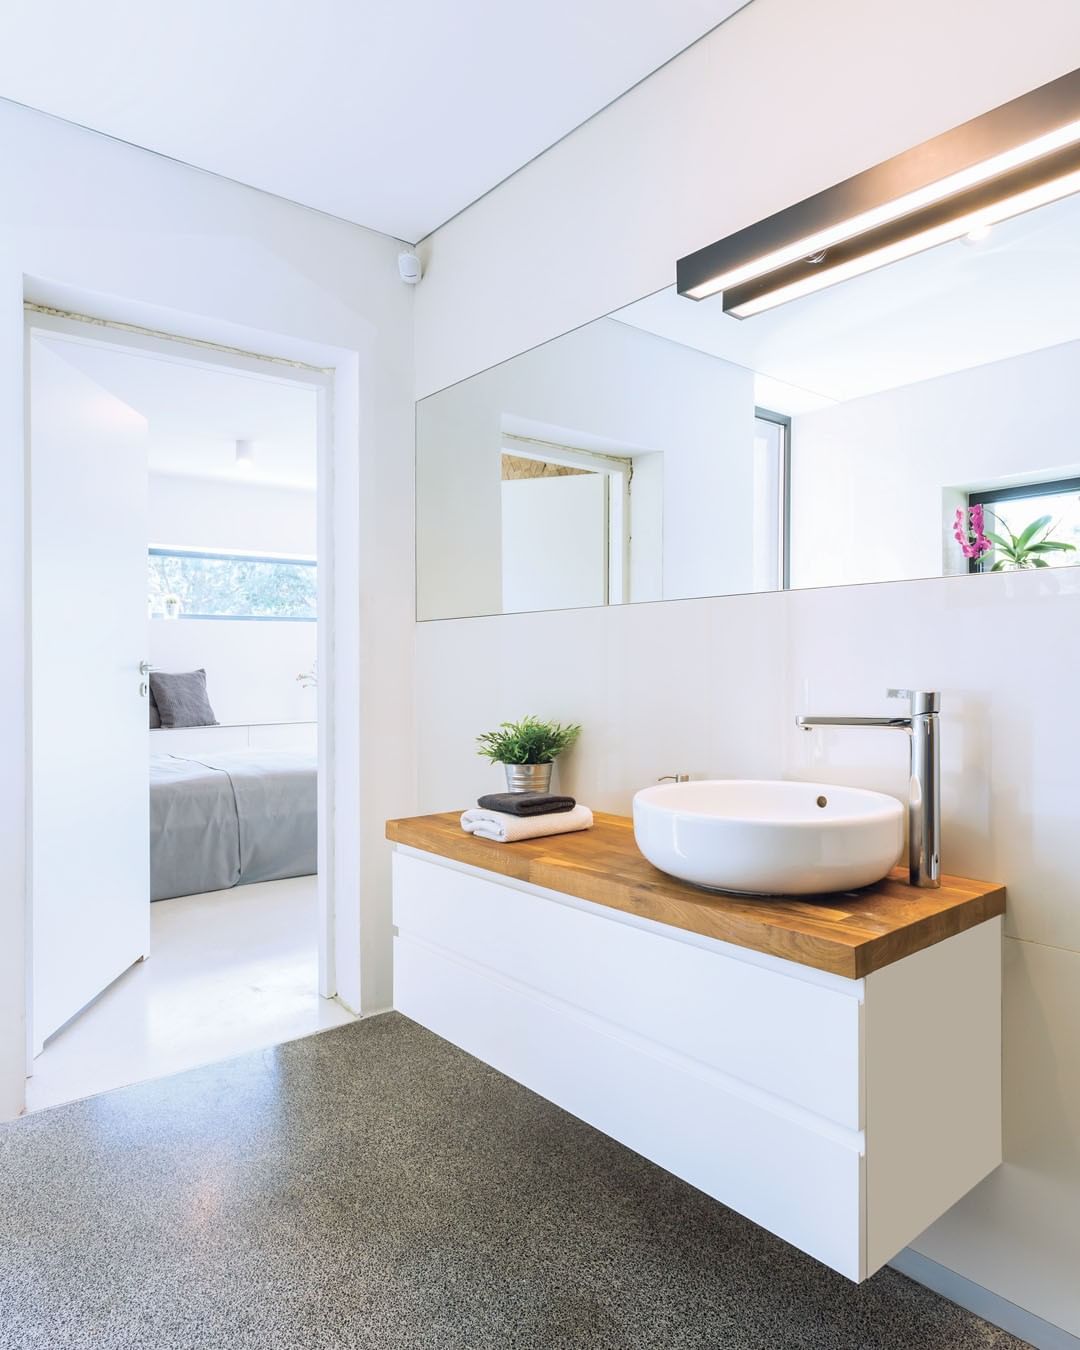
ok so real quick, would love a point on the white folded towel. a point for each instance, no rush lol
(505, 829)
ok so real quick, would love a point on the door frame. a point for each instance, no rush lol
(338, 856)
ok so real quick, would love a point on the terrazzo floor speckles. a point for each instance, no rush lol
(373, 1186)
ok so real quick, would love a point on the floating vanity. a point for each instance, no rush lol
(831, 1068)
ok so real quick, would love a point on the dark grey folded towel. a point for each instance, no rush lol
(526, 803)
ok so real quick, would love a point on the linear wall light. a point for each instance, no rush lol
(1016, 157)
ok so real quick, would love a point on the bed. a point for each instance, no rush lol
(229, 818)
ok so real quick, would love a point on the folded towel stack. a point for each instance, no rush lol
(526, 803)
(505, 828)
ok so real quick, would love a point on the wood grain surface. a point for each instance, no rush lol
(852, 934)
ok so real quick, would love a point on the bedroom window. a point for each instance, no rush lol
(190, 584)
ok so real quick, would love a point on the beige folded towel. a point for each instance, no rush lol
(505, 829)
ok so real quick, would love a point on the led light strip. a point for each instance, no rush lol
(890, 211)
(970, 159)
(818, 280)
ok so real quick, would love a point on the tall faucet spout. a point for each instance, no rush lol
(889, 723)
(924, 784)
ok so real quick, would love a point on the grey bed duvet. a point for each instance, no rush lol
(230, 818)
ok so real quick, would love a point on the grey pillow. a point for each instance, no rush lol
(155, 716)
(181, 698)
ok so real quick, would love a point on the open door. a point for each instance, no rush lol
(537, 571)
(90, 832)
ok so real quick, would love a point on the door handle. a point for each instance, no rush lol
(145, 668)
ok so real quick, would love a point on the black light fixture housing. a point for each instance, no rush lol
(1016, 157)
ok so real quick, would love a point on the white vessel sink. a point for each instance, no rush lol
(769, 838)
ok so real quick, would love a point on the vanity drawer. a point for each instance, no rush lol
(800, 1182)
(782, 1034)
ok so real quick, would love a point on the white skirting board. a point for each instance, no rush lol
(983, 1302)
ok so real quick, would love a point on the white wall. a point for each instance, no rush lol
(218, 513)
(688, 686)
(783, 100)
(636, 394)
(131, 235)
(871, 479)
(251, 668)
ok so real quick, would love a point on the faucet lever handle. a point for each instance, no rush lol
(922, 700)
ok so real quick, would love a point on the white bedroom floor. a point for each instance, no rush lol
(228, 972)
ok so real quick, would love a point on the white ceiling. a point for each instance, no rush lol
(196, 414)
(952, 308)
(389, 115)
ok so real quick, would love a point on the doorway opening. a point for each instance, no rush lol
(181, 567)
(584, 495)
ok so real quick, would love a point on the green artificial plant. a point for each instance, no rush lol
(530, 741)
(1026, 549)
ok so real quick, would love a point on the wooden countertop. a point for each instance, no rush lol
(851, 934)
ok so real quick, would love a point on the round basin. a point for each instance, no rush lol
(769, 838)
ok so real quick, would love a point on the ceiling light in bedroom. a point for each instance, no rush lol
(245, 456)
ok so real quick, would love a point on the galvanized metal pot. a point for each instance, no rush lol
(528, 777)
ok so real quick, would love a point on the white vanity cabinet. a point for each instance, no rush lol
(842, 1114)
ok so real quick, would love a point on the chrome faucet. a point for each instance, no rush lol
(924, 786)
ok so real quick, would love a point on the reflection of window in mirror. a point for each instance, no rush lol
(1029, 525)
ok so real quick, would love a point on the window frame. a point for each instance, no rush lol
(988, 496)
(783, 421)
(219, 555)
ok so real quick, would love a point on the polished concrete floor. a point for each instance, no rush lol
(374, 1187)
(228, 972)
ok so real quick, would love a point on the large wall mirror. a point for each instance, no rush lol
(914, 421)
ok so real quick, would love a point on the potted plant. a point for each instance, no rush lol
(969, 531)
(170, 604)
(527, 750)
(1027, 549)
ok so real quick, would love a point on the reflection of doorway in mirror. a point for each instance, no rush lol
(565, 527)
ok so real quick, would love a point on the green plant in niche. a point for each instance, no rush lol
(530, 741)
(1026, 549)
